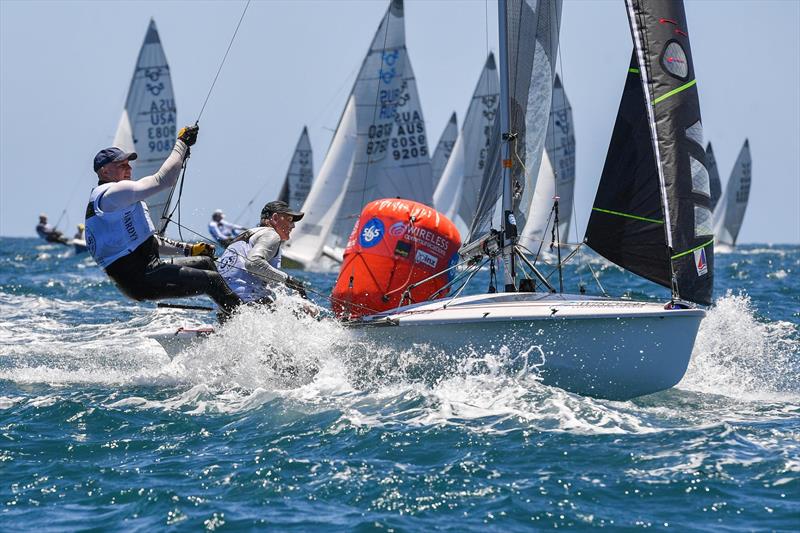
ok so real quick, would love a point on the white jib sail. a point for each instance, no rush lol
(381, 153)
(457, 193)
(443, 149)
(148, 122)
(300, 174)
(556, 175)
(325, 197)
(730, 210)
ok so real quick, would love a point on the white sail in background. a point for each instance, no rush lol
(456, 195)
(532, 45)
(301, 171)
(324, 199)
(730, 211)
(556, 176)
(148, 122)
(389, 157)
(443, 149)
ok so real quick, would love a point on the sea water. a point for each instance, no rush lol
(100, 429)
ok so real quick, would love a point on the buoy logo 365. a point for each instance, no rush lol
(372, 233)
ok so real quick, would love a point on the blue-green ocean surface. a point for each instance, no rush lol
(100, 429)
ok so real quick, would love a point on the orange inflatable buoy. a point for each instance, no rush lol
(395, 243)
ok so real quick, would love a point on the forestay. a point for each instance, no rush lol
(441, 155)
(456, 196)
(148, 122)
(714, 182)
(301, 172)
(728, 218)
(651, 214)
(532, 44)
(556, 175)
(379, 150)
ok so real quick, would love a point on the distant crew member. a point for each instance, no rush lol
(122, 239)
(251, 264)
(223, 231)
(80, 235)
(79, 240)
(48, 232)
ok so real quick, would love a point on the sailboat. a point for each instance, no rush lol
(733, 204)
(441, 155)
(650, 216)
(379, 149)
(456, 195)
(148, 122)
(301, 172)
(713, 178)
(556, 178)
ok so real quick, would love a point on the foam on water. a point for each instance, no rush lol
(317, 364)
(740, 356)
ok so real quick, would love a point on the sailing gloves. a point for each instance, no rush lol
(296, 285)
(201, 248)
(188, 134)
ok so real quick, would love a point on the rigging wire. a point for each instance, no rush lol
(213, 83)
(196, 122)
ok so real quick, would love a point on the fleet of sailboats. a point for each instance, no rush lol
(506, 178)
(456, 195)
(379, 149)
(148, 125)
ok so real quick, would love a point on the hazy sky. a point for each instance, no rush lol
(65, 68)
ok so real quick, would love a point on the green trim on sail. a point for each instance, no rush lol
(633, 70)
(626, 215)
(674, 92)
(687, 252)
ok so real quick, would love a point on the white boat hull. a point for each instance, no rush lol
(613, 349)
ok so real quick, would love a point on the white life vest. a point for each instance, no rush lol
(115, 234)
(232, 268)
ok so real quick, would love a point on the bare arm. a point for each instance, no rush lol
(265, 248)
(125, 193)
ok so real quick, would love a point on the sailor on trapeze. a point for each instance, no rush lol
(122, 239)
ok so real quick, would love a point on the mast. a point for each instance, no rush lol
(508, 226)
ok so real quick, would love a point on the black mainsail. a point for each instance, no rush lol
(651, 214)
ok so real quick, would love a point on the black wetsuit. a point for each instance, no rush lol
(143, 275)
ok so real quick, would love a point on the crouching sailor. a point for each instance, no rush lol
(251, 264)
(122, 239)
(221, 230)
(48, 232)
